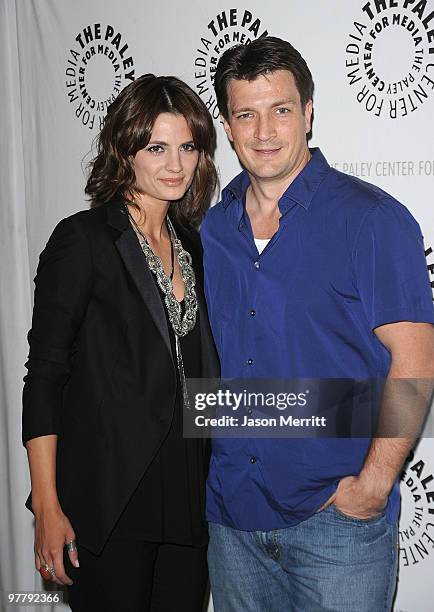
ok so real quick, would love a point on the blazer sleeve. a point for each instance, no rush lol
(63, 286)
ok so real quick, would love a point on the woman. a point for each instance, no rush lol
(119, 322)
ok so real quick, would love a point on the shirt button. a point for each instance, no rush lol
(252, 313)
(257, 265)
(252, 459)
(250, 361)
(249, 411)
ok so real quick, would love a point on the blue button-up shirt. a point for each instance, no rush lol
(346, 258)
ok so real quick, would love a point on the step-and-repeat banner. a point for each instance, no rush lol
(373, 66)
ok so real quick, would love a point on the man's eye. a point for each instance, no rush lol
(282, 111)
(244, 116)
(189, 146)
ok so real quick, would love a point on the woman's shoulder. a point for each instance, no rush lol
(91, 222)
(88, 218)
(85, 230)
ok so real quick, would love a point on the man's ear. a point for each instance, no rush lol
(226, 127)
(308, 115)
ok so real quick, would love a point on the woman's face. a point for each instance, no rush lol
(165, 167)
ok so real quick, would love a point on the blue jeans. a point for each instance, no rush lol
(327, 563)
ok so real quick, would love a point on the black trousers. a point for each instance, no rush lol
(137, 576)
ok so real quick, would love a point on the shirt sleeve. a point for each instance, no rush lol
(390, 268)
(62, 291)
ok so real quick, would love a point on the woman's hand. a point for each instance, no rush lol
(52, 532)
(52, 529)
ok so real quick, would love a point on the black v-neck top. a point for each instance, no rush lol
(168, 505)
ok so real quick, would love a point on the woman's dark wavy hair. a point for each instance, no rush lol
(127, 129)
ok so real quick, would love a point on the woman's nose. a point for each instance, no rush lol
(174, 162)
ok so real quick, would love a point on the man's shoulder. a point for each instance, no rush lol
(232, 194)
(364, 204)
(362, 193)
(356, 197)
(213, 219)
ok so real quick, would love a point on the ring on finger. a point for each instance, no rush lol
(71, 546)
(50, 568)
(47, 571)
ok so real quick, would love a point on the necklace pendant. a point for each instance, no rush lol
(181, 325)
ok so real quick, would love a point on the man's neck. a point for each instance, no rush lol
(262, 199)
(263, 195)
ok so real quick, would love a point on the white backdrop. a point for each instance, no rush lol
(62, 62)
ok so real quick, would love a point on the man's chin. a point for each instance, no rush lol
(263, 173)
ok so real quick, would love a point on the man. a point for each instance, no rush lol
(309, 273)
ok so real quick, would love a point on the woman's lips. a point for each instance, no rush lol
(172, 182)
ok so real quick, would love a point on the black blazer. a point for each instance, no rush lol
(100, 371)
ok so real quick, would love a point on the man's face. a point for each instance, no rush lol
(267, 125)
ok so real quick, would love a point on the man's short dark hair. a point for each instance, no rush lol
(260, 57)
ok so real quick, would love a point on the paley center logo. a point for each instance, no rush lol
(416, 525)
(230, 27)
(390, 56)
(97, 68)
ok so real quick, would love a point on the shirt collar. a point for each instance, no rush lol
(301, 191)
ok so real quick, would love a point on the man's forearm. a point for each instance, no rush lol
(403, 411)
(383, 464)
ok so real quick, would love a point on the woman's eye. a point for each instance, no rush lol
(189, 146)
(155, 149)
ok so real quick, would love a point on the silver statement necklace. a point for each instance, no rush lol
(182, 324)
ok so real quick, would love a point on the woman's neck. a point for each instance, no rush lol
(150, 217)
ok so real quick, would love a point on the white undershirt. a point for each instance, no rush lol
(261, 243)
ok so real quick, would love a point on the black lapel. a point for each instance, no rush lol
(133, 258)
(210, 361)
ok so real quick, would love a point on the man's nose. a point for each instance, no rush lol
(265, 128)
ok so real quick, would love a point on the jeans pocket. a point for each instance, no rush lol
(354, 519)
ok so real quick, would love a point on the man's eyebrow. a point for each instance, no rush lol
(245, 109)
(284, 101)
